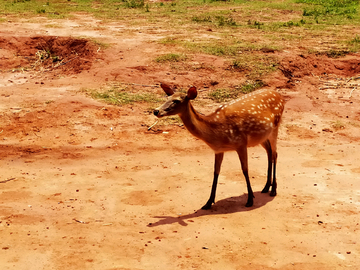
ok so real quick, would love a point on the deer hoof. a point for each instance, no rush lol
(206, 206)
(249, 204)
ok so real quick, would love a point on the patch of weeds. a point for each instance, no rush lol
(251, 86)
(329, 8)
(134, 4)
(46, 59)
(223, 95)
(336, 53)
(255, 24)
(355, 44)
(255, 66)
(116, 96)
(238, 65)
(223, 21)
(212, 1)
(218, 20)
(202, 19)
(41, 11)
(169, 41)
(337, 125)
(355, 40)
(170, 57)
(294, 24)
(221, 48)
(331, 53)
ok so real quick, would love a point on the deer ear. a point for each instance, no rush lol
(192, 93)
(167, 89)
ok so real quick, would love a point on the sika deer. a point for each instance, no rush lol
(248, 121)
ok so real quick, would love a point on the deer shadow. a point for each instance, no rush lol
(224, 206)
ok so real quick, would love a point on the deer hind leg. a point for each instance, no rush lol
(272, 141)
(274, 184)
(270, 148)
(218, 160)
(242, 153)
(267, 147)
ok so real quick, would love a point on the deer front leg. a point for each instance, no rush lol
(218, 160)
(242, 153)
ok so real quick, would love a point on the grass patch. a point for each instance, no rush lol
(255, 66)
(169, 41)
(336, 53)
(118, 96)
(354, 44)
(223, 95)
(223, 48)
(330, 8)
(170, 57)
(218, 20)
(243, 28)
(331, 53)
(134, 3)
(337, 125)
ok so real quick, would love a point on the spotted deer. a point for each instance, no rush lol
(248, 121)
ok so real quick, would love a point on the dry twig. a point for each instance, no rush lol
(7, 180)
(153, 125)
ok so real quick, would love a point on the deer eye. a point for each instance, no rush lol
(176, 101)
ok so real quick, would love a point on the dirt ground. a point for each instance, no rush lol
(85, 185)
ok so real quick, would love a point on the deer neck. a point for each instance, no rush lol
(195, 123)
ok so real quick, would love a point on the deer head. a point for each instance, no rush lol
(176, 102)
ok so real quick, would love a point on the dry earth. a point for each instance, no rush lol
(85, 185)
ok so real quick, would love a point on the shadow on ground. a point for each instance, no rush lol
(225, 206)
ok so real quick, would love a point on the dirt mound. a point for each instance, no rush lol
(305, 65)
(48, 53)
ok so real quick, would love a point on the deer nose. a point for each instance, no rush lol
(156, 112)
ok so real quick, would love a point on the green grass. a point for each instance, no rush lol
(330, 8)
(217, 20)
(171, 57)
(238, 30)
(354, 44)
(222, 95)
(254, 66)
(119, 96)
